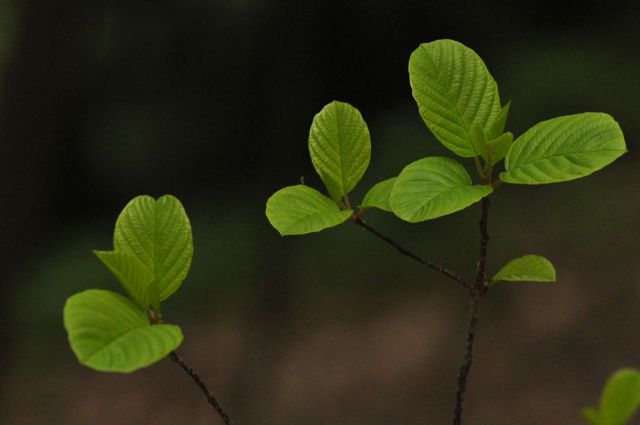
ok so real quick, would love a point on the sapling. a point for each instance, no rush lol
(458, 100)
(151, 256)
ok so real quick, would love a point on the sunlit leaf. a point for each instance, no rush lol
(340, 147)
(111, 333)
(134, 277)
(563, 149)
(497, 128)
(498, 148)
(433, 187)
(478, 140)
(153, 247)
(296, 210)
(530, 268)
(453, 89)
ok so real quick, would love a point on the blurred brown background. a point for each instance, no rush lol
(211, 100)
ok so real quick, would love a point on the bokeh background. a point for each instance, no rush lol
(211, 100)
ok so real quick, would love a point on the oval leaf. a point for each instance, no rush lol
(296, 210)
(530, 268)
(453, 89)
(564, 148)
(111, 333)
(340, 147)
(378, 196)
(155, 236)
(621, 397)
(433, 187)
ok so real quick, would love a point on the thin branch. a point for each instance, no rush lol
(475, 293)
(404, 251)
(196, 378)
(463, 376)
(481, 277)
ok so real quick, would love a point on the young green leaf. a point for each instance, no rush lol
(378, 196)
(156, 237)
(621, 397)
(340, 147)
(453, 89)
(564, 148)
(478, 140)
(530, 268)
(433, 187)
(296, 210)
(497, 128)
(498, 148)
(110, 333)
(134, 277)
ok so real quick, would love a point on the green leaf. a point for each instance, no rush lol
(453, 89)
(497, 128)
(564, 148)
(378, 196)
(478, 140)
(499, 147)
(340, 147)
(433, 187)
(592, 416)
(134, 277)
(153, 247)
(621, 397)
(530, 268)
(296, 210)
(111, 333)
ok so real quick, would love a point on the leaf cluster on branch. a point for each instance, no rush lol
(460, 104)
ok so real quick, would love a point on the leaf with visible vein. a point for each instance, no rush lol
(110, 333)
(297, 210)
(340, 147)
(134, 277)
(433, 187)
(154, 236)
(453, 89)
(563, 149)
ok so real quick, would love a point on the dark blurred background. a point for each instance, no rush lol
(211, 100)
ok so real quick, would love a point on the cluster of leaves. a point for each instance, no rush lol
(459, 102)
(152, 254)
(619, 402)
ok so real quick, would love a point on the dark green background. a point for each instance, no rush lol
(211, 101)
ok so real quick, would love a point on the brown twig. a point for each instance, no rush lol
(481, 277)
(475, 293)
(463, 376)
(404, 251)
(196, 378)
